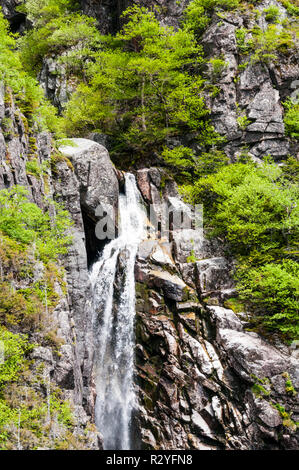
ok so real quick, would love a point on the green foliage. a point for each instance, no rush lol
(198, 13)
(291, 170)
(192, 258)
(15, 347)
(290, 389)
(291, 118)
(26, 223)
(33, 168)
(142, 88)
(251, 206)
(287, 421)
(272, 14)
(264, 46)
(259, 390)
(243, 122)
(217, 67)
(272, 292)
(28, 94)
(256, 210)
(26, 413)
(291, 7)
(187, 165)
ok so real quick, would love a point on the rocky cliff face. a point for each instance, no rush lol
(204, 382)
(252, 90)
(20, 144)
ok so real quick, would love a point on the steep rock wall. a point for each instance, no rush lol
(204, 381)
(81, 186)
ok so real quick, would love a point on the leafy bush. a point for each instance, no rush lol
(271, 291)
(255, 209)
(243, 122)
(27, 414)
(15, 348)
(291, 118)
(218, 66)
(272, 14)
(187, 165)
(198, 12)
(291, 7)
(73, 31)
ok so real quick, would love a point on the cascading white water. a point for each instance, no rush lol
(114, 315)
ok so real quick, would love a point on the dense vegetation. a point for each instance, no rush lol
(27, 92)
(255, 209)
(145, 88)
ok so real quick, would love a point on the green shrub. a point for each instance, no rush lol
(291, 7)
(33, 168)
(243, 122)
(198, 13)
(186, 165)
(75, 32)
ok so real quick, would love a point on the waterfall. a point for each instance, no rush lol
(113, 282)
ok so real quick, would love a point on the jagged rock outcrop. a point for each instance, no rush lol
(16, 19)
(204, 381)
